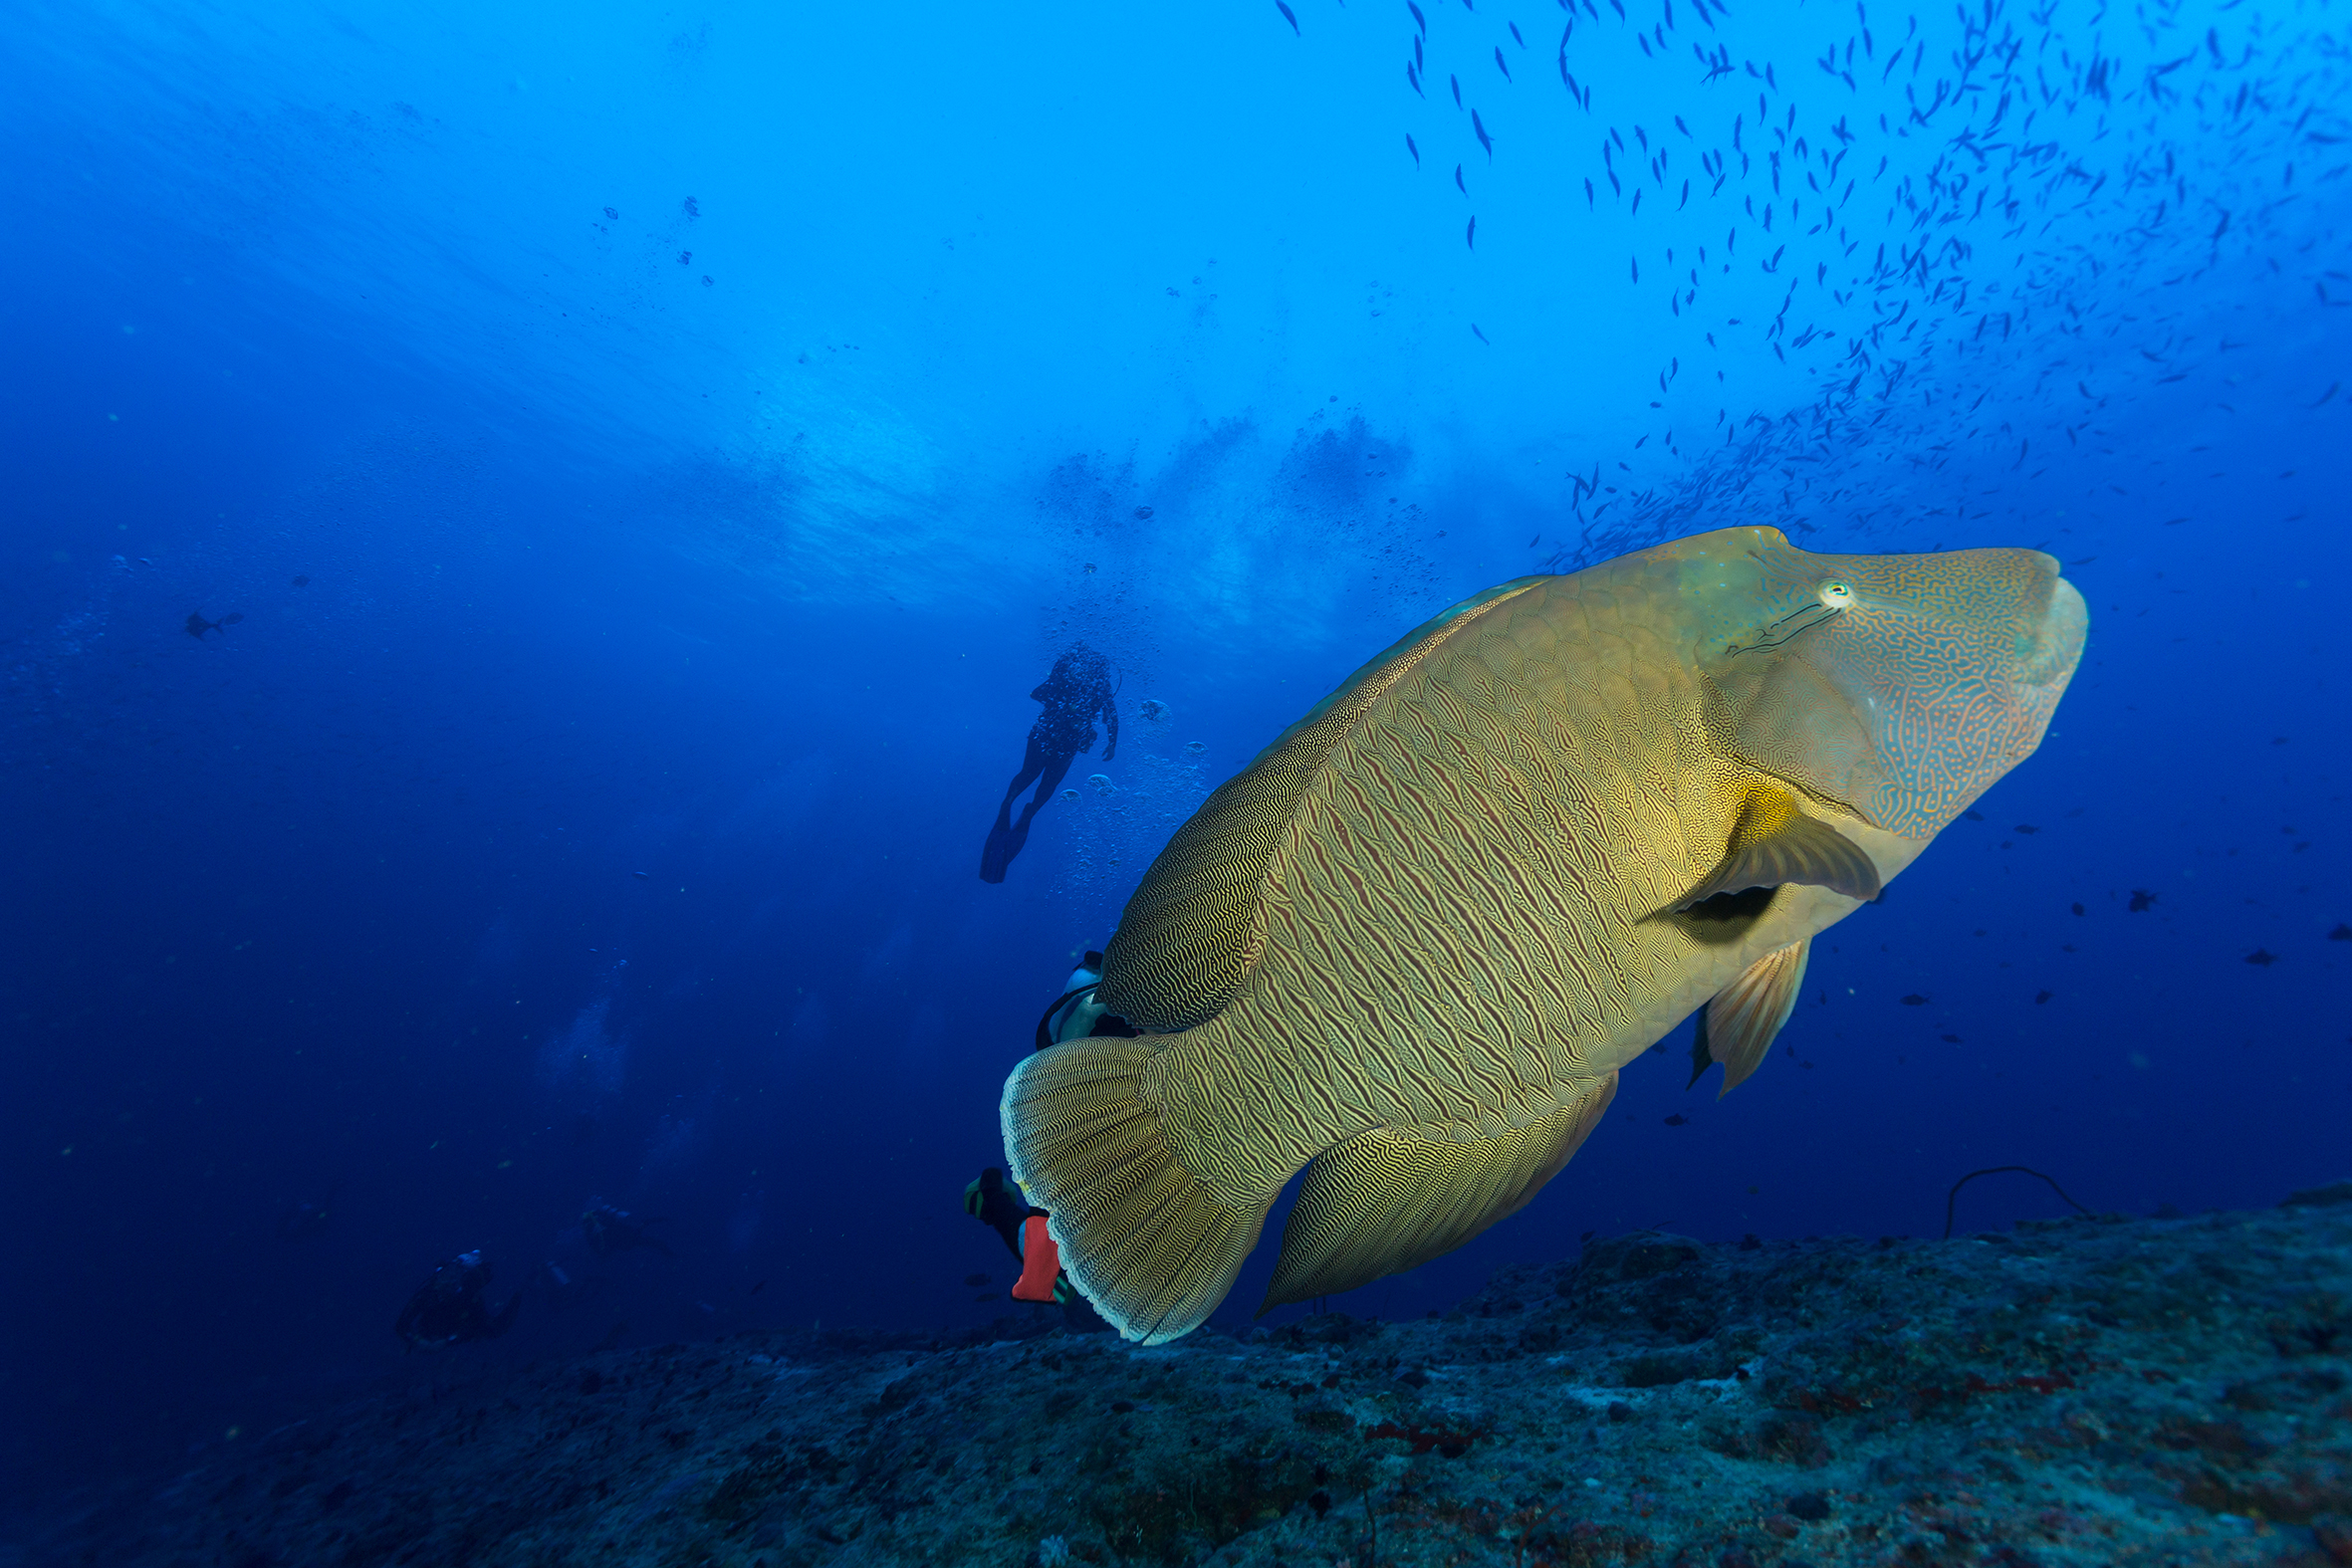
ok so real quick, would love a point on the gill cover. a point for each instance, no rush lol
(1901, 686)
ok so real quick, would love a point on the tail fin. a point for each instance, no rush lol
(1142, 1238)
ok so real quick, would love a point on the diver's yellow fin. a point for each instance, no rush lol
(1390, 1201)
(1737, 1027)
(1772, 842)
(1139, 1236)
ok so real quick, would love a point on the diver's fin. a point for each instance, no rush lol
(1390, 1201)
(1142, 1238)
(1773, 842)
(1004, 842)
(1041, 1262)
(1738, 1025)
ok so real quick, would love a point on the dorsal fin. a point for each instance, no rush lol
(1194, 930)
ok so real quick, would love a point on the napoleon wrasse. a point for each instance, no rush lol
(1411, 945)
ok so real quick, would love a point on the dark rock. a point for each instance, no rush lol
(1655, 1371)
(2320, 1197)
(2078, 1393)
(1643, 1255)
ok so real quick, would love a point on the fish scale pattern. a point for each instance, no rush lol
(1194, 927)
(1459, 934)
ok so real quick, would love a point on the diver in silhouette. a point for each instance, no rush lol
(448, 1308)
(1074, 694)
(607, 1230)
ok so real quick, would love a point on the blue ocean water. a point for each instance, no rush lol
(530, 530)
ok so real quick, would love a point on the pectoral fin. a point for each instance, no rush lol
(1737, 1027)
(1392, 1200)
(1773, 842)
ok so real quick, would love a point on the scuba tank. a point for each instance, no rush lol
(1074, 1013)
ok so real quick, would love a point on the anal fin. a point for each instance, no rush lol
(1391, 1199)
(1774, 843)
(1737, 1026)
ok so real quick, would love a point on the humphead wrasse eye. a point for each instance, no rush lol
(1836, 594)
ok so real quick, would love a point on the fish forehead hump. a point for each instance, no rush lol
(1900, 686)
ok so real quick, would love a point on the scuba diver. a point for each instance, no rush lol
(996, 1201)
(1076, 692)
(607, 1230)
(448, 1308)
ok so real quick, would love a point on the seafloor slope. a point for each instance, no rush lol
(2084, 1392)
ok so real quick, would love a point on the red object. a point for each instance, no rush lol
(1041, 1262)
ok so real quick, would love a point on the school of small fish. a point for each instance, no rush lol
(1994, 204)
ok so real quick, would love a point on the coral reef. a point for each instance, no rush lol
(2100, 1390)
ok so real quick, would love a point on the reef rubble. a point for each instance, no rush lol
(2105, 1391)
